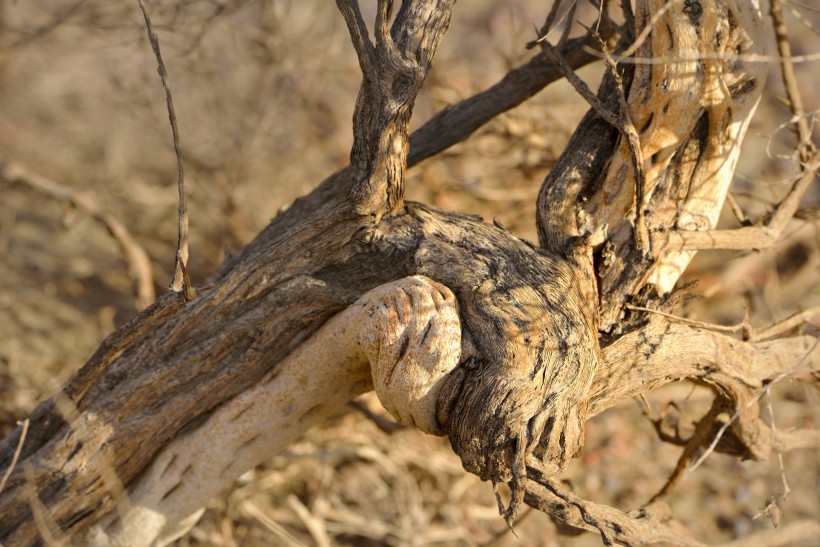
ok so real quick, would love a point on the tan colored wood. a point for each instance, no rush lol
(511, 345)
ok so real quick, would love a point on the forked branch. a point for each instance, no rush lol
(393, 71)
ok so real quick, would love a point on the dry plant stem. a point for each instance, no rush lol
(649, 526)
(458, 121)
(747, 406)
(163, 375)
(762, 237)
(802, 532)
(749, 333)
(557, 487)
(748, 237)
(633, 141)
(397, 329)
(620, 120)
(737, 371)
(450, 126)
(787, 324)
(23, 433)
(139, 264)
(180, 283)
(705, 430)
(527, 343)
(711, 357)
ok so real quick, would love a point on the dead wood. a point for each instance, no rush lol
(546, 335)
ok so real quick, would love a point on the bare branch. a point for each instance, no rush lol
(747, 237)
(804, 145)
(180, 283)
(457, 122)
(666, 352)
(651, 525)
(393, 71)
(450, 126)
(359, 36)
(795, 320)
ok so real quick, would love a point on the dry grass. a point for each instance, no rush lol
(264, 94)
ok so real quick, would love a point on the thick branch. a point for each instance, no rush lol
(404, 335)
(663, 351)
(409, 334)
(447, 128)
(393, 71)
(529, 369)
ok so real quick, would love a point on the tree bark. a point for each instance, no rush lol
(536, 337)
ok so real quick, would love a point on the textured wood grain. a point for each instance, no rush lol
(529, 318)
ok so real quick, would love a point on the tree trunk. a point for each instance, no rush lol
(504, 346)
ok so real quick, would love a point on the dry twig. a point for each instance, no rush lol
(181, 281)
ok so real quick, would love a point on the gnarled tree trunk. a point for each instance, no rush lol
(463, 328)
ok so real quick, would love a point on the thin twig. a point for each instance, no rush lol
(786, 489)
(790, 322)
(558, 489)
(16, 456)
(704, 430)
(744, 57)
(788, 124)
(737, 210)
(742, 326)
(365, 51)
(549, 25)
(257, 513)
(747, 237)
(181, 282)
(580, 86)
(647, 30)
(749, 333)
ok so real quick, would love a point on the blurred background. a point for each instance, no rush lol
(264, 93)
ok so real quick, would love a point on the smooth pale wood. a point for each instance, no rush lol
(403, 337)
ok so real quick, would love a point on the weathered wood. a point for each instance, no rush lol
(528, 369)
(391, 333)
(691, 106)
